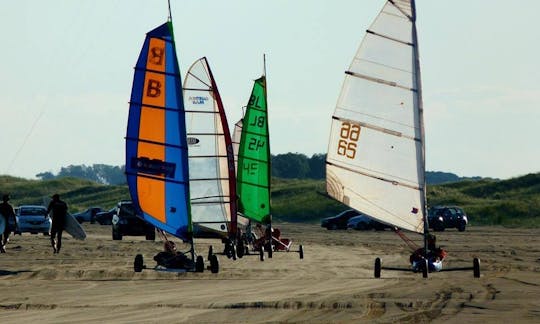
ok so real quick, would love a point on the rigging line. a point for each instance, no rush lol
(25, 141)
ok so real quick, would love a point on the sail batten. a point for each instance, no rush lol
(389, 38)
(375, 161)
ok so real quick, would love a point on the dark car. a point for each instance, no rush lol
(88, 215)
(339, 221)
(105, 217)
(442, 217)
(363, 222)
(125, 221)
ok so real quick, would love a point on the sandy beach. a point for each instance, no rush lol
(93, 281)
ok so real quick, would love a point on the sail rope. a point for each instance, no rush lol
(413, 246)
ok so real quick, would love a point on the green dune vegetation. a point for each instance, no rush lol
(514, 202)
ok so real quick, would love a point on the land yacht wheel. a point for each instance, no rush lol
(377, 269)
(138, 264)
(214, 264)
(301, 251)
(476, 267)
(199, 264)
(241, 249)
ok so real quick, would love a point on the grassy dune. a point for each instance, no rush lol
(513, 202)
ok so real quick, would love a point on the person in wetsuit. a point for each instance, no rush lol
(59, 212)
(6, 211)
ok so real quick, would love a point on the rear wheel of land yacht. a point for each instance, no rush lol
(138, 264)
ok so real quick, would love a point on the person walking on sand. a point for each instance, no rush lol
(59, 213)
(6, 211)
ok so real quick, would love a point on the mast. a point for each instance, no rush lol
(418, 85)
(170, 14)
(190, 232)
(269, 156)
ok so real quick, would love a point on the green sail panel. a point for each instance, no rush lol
(253, 178)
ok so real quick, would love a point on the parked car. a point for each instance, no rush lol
(126, 222)
(339, 221)
(105, 217)
(88, 215)
(32, 219)
(363, 222)
(441, 217)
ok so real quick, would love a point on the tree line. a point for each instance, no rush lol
(288, 166)
(285, 166)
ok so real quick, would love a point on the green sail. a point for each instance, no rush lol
(253, 178)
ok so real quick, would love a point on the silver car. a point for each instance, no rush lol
(33, 219)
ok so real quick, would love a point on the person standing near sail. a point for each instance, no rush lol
(59, 213)
(6, 211)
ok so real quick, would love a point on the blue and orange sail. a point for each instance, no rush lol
(156, 146)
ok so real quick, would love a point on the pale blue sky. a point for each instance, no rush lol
(67, 67)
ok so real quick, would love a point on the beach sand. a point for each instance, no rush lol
(93, 281)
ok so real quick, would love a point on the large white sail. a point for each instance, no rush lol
(375, 162)
(210, 163)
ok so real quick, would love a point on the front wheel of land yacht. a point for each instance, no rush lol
(138, 264)
(476, 267)
(301, 251)
(261, 253)
(199, 264)
(377, 269)
(214, 264)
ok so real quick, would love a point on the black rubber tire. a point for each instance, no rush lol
(301, 251)
(241, 249)
(476, 267)
(210, 251)
(425, 269)
(199, 264)
(261, 253)
(377, 268)
(214, 264)
(461, 227)
(116, 236)
(138, 264)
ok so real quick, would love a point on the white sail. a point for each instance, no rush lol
(207, 149)
(375, 162)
